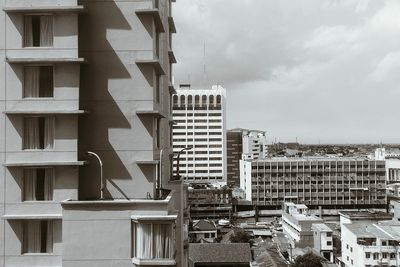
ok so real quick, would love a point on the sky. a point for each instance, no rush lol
(323, 71)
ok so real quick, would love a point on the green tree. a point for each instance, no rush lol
(240, 236)
(308, 260)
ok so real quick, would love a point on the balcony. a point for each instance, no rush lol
(45, 9)
(171, 24)
(153, 13)
(152, 63)
(171, 56)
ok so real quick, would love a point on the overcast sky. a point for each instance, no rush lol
(318, 70)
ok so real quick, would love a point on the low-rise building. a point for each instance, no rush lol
(323, 241)
(297, 222)
(203, 231)
(363, 216)
(370, 244)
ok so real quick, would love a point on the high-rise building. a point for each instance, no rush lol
(199, 134)
(84, 76)
(243, 144)
(327, 182)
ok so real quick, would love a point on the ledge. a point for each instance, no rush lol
(155, 63)
(147, 162)
(45, 112)
(44, 60)
(171, 88)
(158, 262)
(171, 55)
(155, 13)
(154, 113)
(171, 24)
(145, 218)
(44, 163)
(32, 217)
(118, 202)
(39, 9)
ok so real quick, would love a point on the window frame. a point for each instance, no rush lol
(38, 15)
(53, 85)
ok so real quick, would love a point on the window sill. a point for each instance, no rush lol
(38, 47)
(37, 254)
(154, 262)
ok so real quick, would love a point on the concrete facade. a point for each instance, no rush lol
(200, 124)
(326, 182)
(243, 144)
(111, 91)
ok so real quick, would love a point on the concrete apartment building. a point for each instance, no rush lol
(392, 163)
(243, 144)
(85, 76)
(323, 240)
(296, 224)
(370, 244)
(200, 128)
(332, 183)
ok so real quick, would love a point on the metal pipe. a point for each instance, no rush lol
(159, 180)
(102, 186)
(178, 176)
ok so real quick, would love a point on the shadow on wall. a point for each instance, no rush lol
(97, 80)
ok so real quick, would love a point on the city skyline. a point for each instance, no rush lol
(275, 56)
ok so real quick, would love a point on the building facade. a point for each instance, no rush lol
(85, 76)
(370, 244)
(243, 144)
(199, 115)
(323, 241)
(326, 182)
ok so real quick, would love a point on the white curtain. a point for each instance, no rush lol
(49, 237)
(46, 31)
(31, 133)
(48, 183)
(28, 37)
(30, 184)
(162, 235)
(143, 241)
(31, 81)
(49, 132)
(32, 236)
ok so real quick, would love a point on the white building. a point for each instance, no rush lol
(199, 115)
(392, 163)
(369, 244)
(323, 240)
(254, 145)
(297, 222)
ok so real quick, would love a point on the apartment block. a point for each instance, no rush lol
(392, 160)
(370, 244)
(327, 182)
(243, 144)
(88, 76)
(199, 134)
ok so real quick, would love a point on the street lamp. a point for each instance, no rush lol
(178, 176)
(90, 153)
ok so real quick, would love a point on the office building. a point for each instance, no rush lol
(199, 134)
(243, 144)
(370, 244)
(297, 224)
(328, 182)
(85, 76)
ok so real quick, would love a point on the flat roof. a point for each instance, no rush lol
(365, 215)
(387, 230)
(321, 227)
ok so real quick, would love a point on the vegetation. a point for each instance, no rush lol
(308, 260)
(240, 236)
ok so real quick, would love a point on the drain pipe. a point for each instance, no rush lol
(102, 187)
(159, 178)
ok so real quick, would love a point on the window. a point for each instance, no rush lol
(153, 240)
(37, 236)
(347, 246)
(376, 256)
(38, 81)
(38, 132)
(329, 234)
(157, 87)
(38, 31)
(328, 243)
(367, 255)
(38, 184)
(351, 249)
(392, 256)
(384, 255)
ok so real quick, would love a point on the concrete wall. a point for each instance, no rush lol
(2, 129)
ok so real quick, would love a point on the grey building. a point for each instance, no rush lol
(85, 76)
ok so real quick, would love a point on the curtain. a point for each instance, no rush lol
(28, 37)
(31, 81)
(49, 133)
(48, 183)
(46, 31)
(31, 133)
(49, 237)
(162, 241)
(143, 241)
(32, 236)
(29, 184)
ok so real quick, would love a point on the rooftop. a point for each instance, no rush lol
(366, 215)
(321, 227)
(220, 253)
(387, 230)
(311, 158)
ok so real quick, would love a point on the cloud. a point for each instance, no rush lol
(312, 69)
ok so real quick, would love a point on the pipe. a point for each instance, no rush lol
(159, 180)
(102, 187)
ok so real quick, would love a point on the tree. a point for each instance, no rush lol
(308, 260)
(240, 236)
